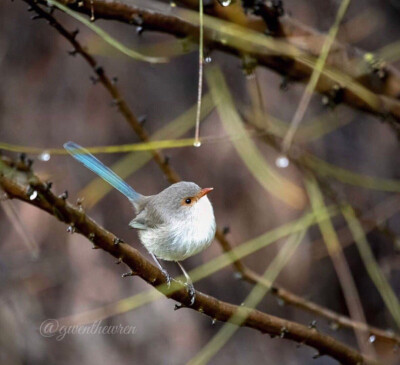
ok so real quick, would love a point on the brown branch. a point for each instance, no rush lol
(386, 105)
(173, 177)
(22, 185)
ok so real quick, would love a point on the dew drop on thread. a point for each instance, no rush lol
(44, 156)
(34, 195)
(282, 162)
(225, 2)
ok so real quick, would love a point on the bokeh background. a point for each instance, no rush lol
(47, 98)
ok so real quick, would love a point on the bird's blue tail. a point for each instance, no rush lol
(92, 163)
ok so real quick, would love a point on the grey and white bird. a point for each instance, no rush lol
(172, 225)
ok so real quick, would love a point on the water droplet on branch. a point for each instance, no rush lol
(44, 156)
(33, 195)
(282, 162)
(225, 2)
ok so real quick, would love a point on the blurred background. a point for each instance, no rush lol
(47, 98)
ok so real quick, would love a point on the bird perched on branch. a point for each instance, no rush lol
(173, 225)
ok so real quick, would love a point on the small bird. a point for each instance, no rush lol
(173, 225)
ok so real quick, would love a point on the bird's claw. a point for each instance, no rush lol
(191, 291)
(167, 277)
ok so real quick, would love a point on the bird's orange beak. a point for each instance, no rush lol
(203, 192)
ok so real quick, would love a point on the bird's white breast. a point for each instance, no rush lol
(179, 239)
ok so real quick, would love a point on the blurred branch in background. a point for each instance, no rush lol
(341, 76)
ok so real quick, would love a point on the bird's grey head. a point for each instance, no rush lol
(181, 197)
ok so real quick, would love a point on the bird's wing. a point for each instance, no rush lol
(138, 223)
(147, 218)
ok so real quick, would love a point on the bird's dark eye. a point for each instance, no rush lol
(188, 201)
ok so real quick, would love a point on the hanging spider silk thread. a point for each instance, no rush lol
(197, 142)
(92, 18)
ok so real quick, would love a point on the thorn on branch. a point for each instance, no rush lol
(136, 19)
(269, 11)
(36, 17)
(166, 160)
(64, 195)
(284, 331)
(179, 306)
(114, 80)
(74, 33)
(79, 203)
(47, 186)
(94, 80)
(73, 53)
(313, 324)
(334, 96)
(284, 85)
(139, 30)
(31, 193)
(115, 102)
(377, 66)
(128, 274)
(117, 241)
(22, 157)
(71, 228)
(277, 7)
(119, 261)
(142, 119)
(317, 355)
(99, 70)
(249, 64)
(29, 163)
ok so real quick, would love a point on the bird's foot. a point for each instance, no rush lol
(167, 277)
(191, 291)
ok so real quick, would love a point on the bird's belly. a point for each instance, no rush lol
(176, 243)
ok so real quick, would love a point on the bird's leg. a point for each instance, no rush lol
(188, 284)
(165, 272)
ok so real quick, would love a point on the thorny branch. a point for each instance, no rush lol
(20, 183)
(382, 83)
(172, 176)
